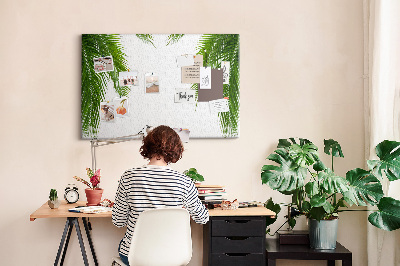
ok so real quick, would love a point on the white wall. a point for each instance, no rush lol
(301, 75)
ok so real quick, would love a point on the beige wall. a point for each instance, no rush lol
(301, 75)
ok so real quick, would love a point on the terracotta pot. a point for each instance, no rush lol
(93, 196)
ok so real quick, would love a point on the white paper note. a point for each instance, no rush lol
(205, 78)
(185, 60)
(185, 96)
(226, 67)
(220, 105)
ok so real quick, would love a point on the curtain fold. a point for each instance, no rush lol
(383, 113)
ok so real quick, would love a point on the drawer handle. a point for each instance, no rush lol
(237, 221)
(236, 237)
(237, 254)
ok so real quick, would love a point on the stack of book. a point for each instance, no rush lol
(211, 194)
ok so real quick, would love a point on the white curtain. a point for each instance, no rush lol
(383, 112)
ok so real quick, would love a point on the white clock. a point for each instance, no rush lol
(71, 194)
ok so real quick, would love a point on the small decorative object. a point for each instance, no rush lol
(93, 193)
(71, 194)
(106, 203)
(227, 205)
(194, 175)
(320, 194)
(53, 202)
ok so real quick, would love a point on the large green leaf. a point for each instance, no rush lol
(363, 188)
(304, 155)
(388, 216)
(388, 153)
(312, 189)
(276, 208)
(320, 201)
(287, 176)
(317, 213)
(331, 183)
(332, 146)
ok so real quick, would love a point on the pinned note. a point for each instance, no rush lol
(219, 106)
(191, 74)
(185, 60)
(217, 89)
(226, 67)
(185, 96)
(205, 78)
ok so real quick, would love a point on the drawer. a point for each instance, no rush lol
(237, 259)
(238, 227)
(237, 244)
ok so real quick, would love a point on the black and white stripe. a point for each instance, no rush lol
(151, 187)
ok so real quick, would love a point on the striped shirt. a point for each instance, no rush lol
(151, 187)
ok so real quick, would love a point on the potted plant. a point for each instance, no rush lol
(53, 201)
(194, 175)
(320, 194)
(93, 193)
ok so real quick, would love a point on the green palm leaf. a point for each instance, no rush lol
(331, 183)
(174, 38)
(224, 47)
(388, 216)
(94, 84)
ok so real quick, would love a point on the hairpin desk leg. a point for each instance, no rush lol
(67, 226)
(90, 241)
(78, 232)
(66, 243)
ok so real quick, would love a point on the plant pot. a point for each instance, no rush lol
(93, 196)
(54, 204)
(323, 234)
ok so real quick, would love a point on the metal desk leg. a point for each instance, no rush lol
(66, 243)
(331, 263)
(271, 262)
(346, 262)
(67, 226)
(78, 232)
(90, 241)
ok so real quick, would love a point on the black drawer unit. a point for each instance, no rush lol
(234, 241)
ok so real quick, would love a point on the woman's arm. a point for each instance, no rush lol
(120, 208)
(193, 205)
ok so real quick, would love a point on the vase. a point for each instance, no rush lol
(93, 196)
(323, 234)
(54, 204)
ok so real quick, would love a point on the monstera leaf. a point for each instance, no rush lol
(288, 176)
(276, 208)
(388, 216)
(332, 146)
(331, 183)
(304, 155)
(388, 153)
(364, 188)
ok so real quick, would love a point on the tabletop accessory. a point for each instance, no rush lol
(194, 175)
(93, 193)
(53, 201)
(320, 194)
(71, 194)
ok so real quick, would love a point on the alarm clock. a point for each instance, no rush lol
(71, 194)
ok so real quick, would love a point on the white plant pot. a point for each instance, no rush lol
(54, 204)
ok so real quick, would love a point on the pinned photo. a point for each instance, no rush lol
(121, 106)
(128, 78)
(107, 112)
(152, 83)
(103, 64)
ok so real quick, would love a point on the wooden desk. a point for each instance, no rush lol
(304, 252)
(235, 237)
(72, 219)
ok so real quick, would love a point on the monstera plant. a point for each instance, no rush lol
(320, 194)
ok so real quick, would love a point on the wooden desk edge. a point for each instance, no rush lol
(250, 211)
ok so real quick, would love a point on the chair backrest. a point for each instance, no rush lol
(161, 237)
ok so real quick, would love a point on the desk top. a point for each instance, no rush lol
(250, 211)
(62, 212)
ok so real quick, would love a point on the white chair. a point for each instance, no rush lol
(162, 237)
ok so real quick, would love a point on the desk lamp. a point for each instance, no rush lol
(94, 143)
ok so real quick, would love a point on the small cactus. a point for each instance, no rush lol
(53, 195)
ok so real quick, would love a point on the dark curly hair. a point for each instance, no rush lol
(162, 141)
